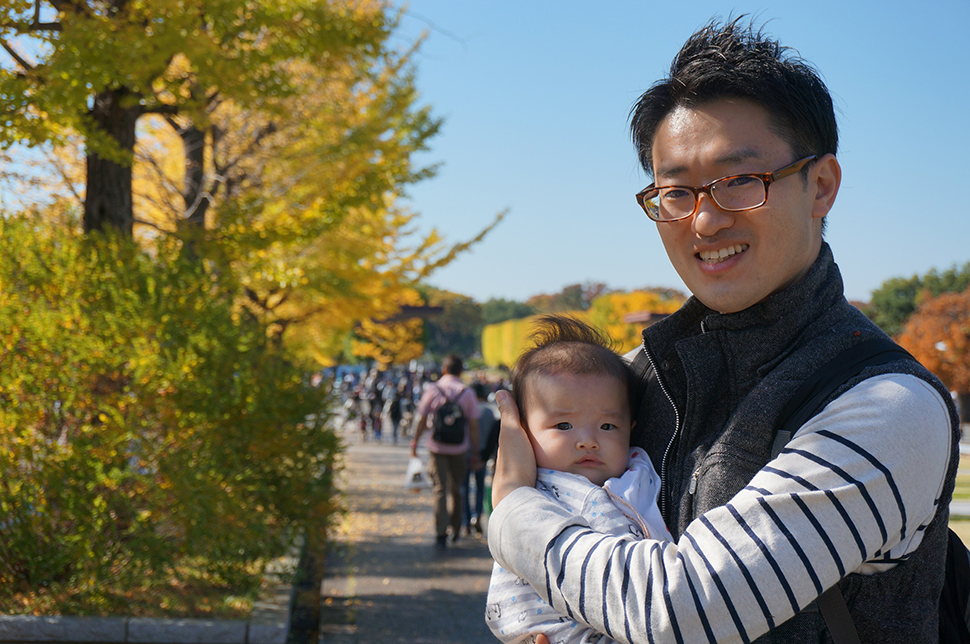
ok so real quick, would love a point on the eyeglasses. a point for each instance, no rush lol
(735, 193)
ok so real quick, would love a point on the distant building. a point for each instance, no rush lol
(646, 318)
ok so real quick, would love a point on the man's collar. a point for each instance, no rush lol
(822, 282)
(821, 287)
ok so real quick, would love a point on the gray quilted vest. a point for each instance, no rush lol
(729, 376)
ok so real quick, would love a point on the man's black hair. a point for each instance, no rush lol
(734, 61)
(452, 365)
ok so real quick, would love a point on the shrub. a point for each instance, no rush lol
(144, 419)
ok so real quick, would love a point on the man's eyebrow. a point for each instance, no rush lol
(736, 156)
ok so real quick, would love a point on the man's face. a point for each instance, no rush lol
(733, 260)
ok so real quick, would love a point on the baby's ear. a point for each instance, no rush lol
(633, 425)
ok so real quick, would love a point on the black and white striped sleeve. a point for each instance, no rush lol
(851, 493)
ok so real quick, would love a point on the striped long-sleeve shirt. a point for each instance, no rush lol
(851, 493)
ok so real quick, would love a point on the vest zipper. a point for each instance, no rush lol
(663, 463)
(692, 486)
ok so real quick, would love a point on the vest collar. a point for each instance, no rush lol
(764, 330)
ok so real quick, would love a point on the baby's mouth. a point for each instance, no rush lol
(715, 256)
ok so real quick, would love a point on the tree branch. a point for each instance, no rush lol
(72, 6)
(17, 58)
(65, 177)
(161, 109)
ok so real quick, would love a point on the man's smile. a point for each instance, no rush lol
(715, 256)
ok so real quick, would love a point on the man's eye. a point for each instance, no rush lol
(675, 193)
(742, 181)
(563, 426)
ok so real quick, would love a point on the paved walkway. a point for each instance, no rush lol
(386, 583)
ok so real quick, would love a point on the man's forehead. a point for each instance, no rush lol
(674, 167)
(719, 136)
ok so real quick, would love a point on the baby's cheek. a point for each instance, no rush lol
(545, 455)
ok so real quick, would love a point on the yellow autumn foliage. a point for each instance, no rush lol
(607, 313)
(504, 342)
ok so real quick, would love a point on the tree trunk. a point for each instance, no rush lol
(107, 199)
(963, 404)
(196, 201)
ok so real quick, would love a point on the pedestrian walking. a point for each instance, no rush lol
(447, 463)
(395, 410)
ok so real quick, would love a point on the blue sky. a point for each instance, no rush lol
(536, 93)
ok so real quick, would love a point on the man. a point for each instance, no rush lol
(447, 464)
(474, 506)
(741, 141)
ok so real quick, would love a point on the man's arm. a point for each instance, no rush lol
(419, 426)
(859, 480)
(514, 611)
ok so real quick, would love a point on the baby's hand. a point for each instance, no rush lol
(515, 465)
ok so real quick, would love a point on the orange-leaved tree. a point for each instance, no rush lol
(938, 335)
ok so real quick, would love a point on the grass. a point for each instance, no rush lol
(962, 490)
(961, 525)
(187, 593)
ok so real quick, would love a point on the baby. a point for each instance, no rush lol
(573, 395)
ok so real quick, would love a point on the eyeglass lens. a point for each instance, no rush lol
(731, 193)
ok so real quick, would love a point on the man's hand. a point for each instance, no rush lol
(419, 426)
(515, 465)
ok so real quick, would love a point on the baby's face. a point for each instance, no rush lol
(579, 424)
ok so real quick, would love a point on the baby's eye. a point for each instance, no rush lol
(563, 426)
(608, 426)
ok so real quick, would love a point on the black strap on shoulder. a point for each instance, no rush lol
(837, 618)
(643, 373)
(445, 396)
(955, 599)
(829, 377)
(802, 405)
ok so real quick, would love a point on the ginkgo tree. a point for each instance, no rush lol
(274, 139)
(95, 67)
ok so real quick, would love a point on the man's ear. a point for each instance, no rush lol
(826, 177)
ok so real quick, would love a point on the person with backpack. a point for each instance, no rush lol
(448, 412)
(740, 141)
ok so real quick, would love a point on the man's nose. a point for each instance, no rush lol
(709, 219)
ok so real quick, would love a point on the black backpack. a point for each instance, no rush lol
(955, 598)
(448, 424)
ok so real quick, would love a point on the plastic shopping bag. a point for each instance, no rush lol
(416, 479)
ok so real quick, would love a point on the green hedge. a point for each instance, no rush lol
(144, 420)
